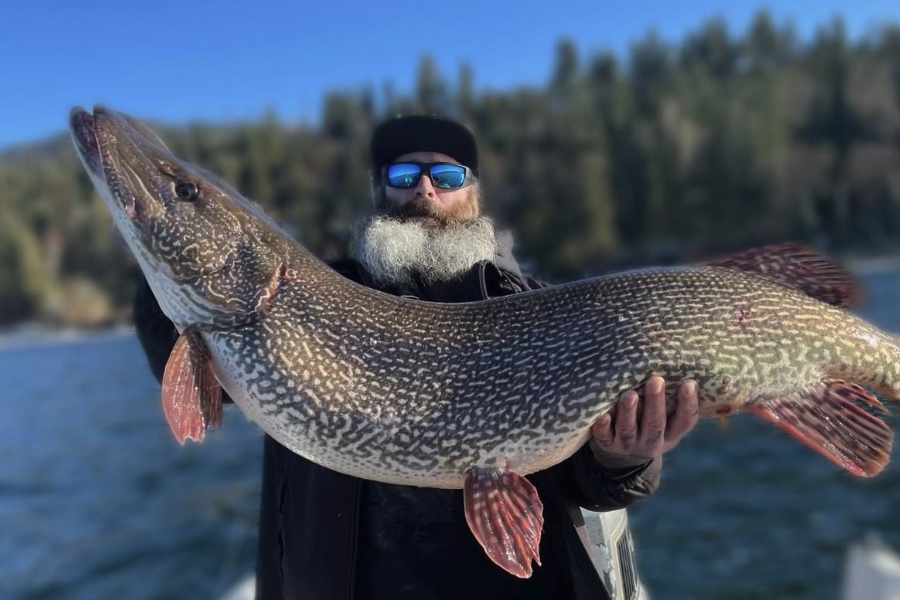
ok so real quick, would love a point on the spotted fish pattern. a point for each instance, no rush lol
(417, 393)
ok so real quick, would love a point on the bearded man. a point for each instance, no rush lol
(326, 536)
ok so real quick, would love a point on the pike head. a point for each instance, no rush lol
(212, 257)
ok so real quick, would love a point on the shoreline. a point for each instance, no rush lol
(33, 334)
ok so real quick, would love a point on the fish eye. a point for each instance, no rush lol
(187, 190)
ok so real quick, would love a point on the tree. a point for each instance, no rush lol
(431, 91)
(767, 47)
(711, 50)
(650, 72)
(23, 284)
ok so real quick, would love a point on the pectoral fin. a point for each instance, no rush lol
(830, 420)
(191, 395)
(506, 515)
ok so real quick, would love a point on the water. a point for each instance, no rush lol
(98, 501)
(96, 498)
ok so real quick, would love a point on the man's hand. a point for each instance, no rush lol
(656, 434)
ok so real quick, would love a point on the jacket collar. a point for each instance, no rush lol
(504, 259)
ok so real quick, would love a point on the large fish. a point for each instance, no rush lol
(472, 395)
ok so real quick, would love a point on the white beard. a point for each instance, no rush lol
(394, 250)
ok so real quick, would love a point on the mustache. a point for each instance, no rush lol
(420, 207)
(427, 210)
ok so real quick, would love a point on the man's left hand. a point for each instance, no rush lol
(621, 434)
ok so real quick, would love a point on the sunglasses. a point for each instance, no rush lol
(447, 176)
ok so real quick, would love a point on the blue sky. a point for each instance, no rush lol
(178, 61)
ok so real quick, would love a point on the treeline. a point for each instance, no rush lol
(722, 140)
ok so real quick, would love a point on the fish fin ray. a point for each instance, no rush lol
(828, 419)
(505, 514)
(800, 268)
(191, 395)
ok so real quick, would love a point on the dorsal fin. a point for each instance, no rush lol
(800, 268)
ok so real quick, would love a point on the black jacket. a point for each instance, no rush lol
(319, 529)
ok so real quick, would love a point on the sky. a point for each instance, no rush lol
(218, 61)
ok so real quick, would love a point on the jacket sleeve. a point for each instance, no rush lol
(155, 331)
(603, 482)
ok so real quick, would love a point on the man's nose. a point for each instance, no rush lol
(424, 188)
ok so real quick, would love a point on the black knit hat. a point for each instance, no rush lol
(420, 133)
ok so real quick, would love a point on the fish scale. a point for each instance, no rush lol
(474, 395)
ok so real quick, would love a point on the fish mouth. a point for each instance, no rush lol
(103, 139)
(84, 135)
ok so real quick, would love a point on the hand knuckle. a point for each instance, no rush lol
(656, 425)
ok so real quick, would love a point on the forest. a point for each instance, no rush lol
(720, 141)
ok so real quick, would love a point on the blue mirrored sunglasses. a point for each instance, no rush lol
(447, 176)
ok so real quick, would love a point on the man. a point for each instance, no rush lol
(324, 535)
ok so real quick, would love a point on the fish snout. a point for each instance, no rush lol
(84, 135)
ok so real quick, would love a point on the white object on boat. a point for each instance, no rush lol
(871, 571)
(244, 589)
(612, 552)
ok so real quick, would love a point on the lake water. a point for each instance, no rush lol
(98, 501)
(96, 498)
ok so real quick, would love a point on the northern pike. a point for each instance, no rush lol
(474, 395)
